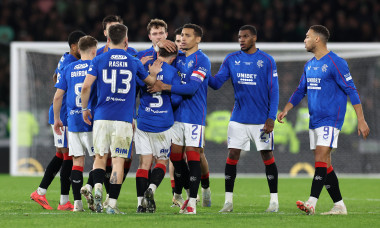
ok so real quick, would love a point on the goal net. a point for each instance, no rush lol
(32, 91)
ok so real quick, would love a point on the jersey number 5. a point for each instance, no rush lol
(112, 80)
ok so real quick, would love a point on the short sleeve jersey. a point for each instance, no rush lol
(116, 72)
(72, 81)
(327, 83)
(155, 112)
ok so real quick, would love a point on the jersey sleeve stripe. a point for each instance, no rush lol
(297, 88)
(341, 74)
(223, 64)
(199, 72)
(271, 71)
(146, 53)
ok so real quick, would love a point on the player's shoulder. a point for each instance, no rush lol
(145, 52)
(201, 56)
(100, 50)
(336, 58)
(168, 67)
(131, 51)
(232, 55)
(267, 56)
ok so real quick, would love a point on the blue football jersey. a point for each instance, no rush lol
(65, 60)
(116, 72)
(327, 82)
(155, 112)
(130, 50)
(147, 52)
(72, 81)
(255, 81)
(196, 67)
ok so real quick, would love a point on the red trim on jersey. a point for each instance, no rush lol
(160, 166)
(59, 155)
(172, 183)
(297, 87)
(330, 169)
(176, 156)
(142, 173)
(127, 164)
(269, 162)
(193, 156)
(226, 61)
(321, 164)
(231, 161)
(79, 168)
(66, 157)
(109, 162)
(342, 76)
(146, 54)
(199, 73)
(206, 176)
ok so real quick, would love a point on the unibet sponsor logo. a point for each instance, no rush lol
(80, 66)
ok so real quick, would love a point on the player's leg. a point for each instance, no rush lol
(322, 140)
(39, 196)
(238, 140)
(205, 181)
(160, 144)
(172, 181)
(121, 149)
(77, 181)
(67, 165)
(108, 173)
(230, 176)
(101, 141)
(332, 187)
(272, 178)
(142, 181)
(193, 160)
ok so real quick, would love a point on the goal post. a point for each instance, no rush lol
(32, 90)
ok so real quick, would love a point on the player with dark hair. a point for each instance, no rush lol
(106, 23)
(326, 80)
(254, 77)
(80, 134)
(61, 160)
(154, 133)
(177, 37)
(115, 75)
(188, 128)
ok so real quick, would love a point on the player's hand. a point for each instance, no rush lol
(268, 126)
(155, 68)
(157, 87)
(87, 116)
(281, 116)
(58, 127)
(363, 128)
(145, 59)
(168, 45)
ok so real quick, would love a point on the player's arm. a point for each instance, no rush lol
(295, 98)
(55, 77)
(57, 104)
(221, 77)
(344, 79)
(154, 69)
(85, 96)
(175, 98)
(274, 96)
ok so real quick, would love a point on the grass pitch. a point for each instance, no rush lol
(251, 198)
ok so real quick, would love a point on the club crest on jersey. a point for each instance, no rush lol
(190, 64)
(324, 68)
(260, 63)
(237, 63)
(118, 57)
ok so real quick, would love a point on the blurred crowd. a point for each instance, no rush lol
(276, 20)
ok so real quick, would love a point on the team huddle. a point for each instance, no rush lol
(94, 112)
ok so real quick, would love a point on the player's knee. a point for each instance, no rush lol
(234, 154)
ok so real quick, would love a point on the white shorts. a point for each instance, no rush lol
(239, 136)
(79, 143)
(60, 141)
(113, 135)
(324, 136)
(156, 144)
(185, 134)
